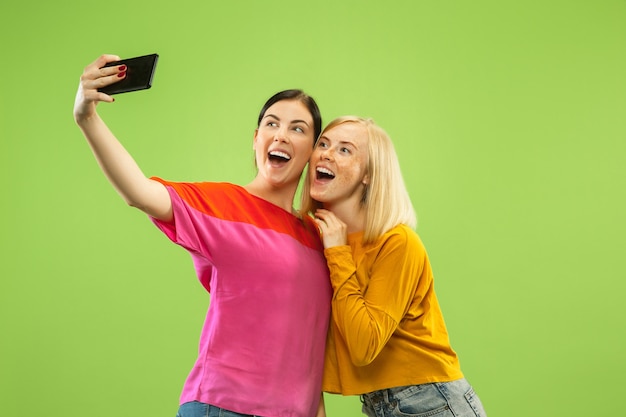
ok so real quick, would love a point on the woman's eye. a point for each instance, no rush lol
(345, 150)
(299, 130)
(272, 124)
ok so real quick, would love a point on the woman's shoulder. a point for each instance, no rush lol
(201, 186)
(401, 236)
(402, 232)
(208, 196)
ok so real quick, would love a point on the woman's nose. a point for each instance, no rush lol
(325, 154)
(281, 135)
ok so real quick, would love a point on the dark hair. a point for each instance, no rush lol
(300, 95)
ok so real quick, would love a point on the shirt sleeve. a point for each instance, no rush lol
(367, 309)
(196, 209)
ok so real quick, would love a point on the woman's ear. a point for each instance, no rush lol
(256, 131)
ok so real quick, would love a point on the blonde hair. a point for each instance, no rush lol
(385, 199)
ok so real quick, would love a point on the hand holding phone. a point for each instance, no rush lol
(139, 74)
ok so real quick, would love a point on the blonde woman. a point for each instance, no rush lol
(387, 341)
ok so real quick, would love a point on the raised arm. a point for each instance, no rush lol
(117, 164)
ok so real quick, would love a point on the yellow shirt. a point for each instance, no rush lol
(387, 329)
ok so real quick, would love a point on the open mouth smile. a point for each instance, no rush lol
(279, 157)
(322, 173)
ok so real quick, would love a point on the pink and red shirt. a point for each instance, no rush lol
(262, 345)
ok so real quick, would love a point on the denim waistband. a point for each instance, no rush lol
(400, 393)
(389, 394)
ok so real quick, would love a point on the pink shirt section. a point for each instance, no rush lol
(262, 345)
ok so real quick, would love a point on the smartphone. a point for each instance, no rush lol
(139, 73)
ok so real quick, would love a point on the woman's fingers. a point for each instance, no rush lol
(334, 231)
(94, 77)
(324, 214)
(102, 61)
(106, 58)
(329, 218)
(103, 78)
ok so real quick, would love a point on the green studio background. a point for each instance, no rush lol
(509, 121)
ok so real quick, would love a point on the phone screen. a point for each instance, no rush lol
(139, 73)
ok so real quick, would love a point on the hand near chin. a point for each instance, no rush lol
(334, 231)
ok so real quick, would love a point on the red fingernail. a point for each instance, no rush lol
(122, 68)
(121, 74)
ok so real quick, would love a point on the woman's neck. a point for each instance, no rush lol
(353, 215)
(279, 196)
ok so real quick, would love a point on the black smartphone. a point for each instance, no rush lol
(139, 73)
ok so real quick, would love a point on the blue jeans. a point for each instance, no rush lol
(197, 409)
(441, 399)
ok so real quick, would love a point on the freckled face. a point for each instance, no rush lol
(283, 141)
(338, 170)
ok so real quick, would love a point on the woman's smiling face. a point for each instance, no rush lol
(338, 169)
(283, 142)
